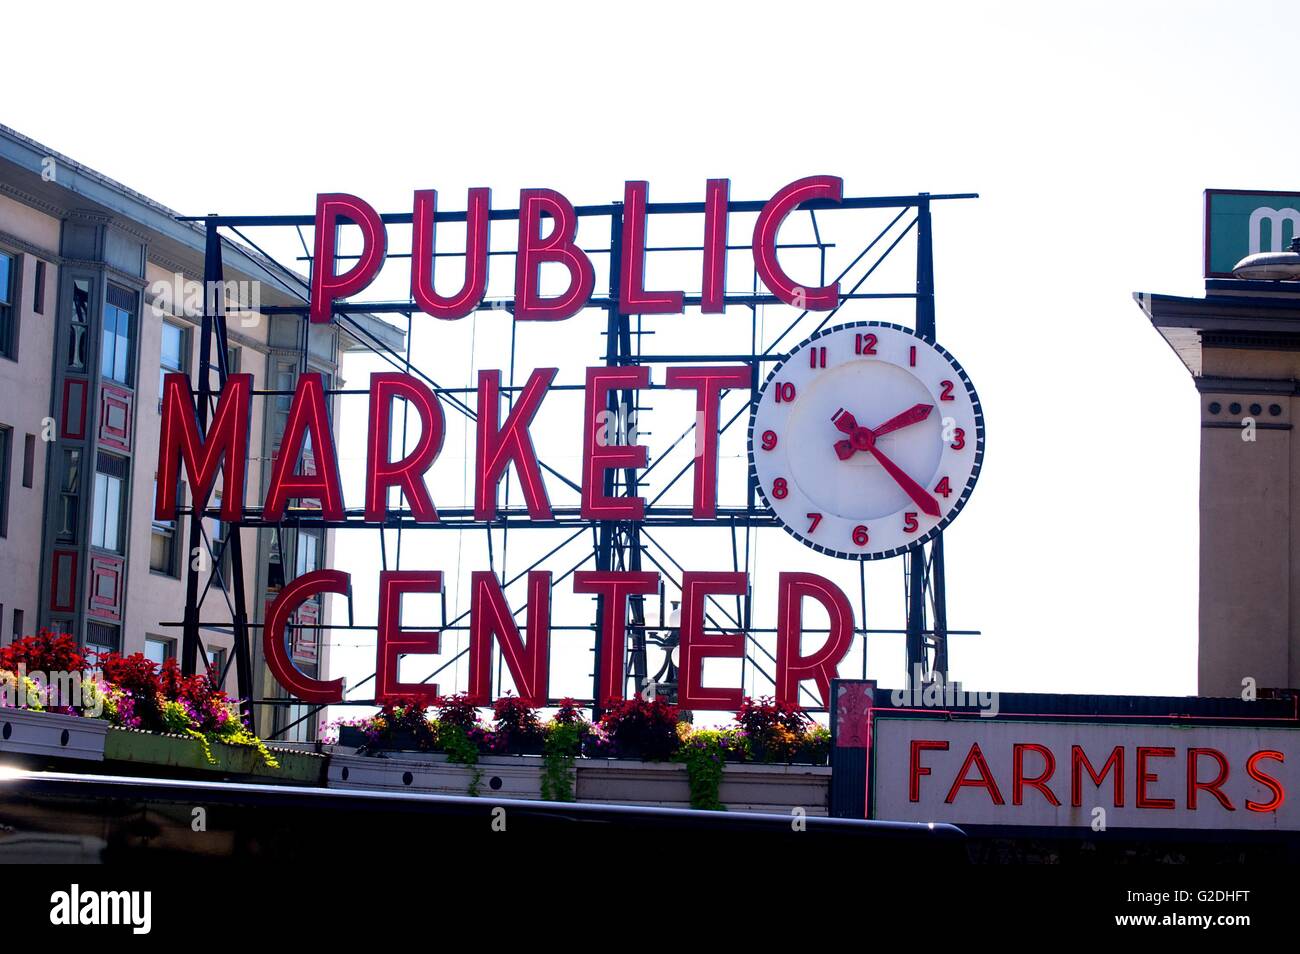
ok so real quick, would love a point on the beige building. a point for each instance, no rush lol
(93, 311)
(1241, 343)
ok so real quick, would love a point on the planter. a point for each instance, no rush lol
(183, 752)
(746, 787)
(26, 732)
(504, 776)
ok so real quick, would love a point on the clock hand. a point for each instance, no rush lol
(844, 449)
(914, 490)
(913, 415)
(845, 421)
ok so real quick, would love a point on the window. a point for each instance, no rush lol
(217, 664)
(159, 649)
(109, 503)
(6, 439)
(309, 555)
(69, 495)
(175, 354)
(163, 545)
(8, 313)
(115, 356)
(38, 293)
(29, 460)
(20, 623)
(79, 326)
(103, 638)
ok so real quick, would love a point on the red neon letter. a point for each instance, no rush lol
(916, 769)
(792, 667)
(556, 247)
(599, 454)
(424, 244)
(407, 473)
(1252, 769)
(1078, 760)
(614, 587)
(326, 287)
(498, 445)
(633, 299)
(489, 616)
(295, 593)
(709, 384)
(392, 642)
(307, 414)
(975, 757)
(1144, 778)
(713, 288)
(696, 645)
(1195, 787)
(1018, 780)
(226, 445)
(765, 231)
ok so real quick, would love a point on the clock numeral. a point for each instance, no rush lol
(910, 524)
(958, 439)
(817, 358)
(815, 519)
(864, 344)
(785, 392)
(860, 535)
(769, 440)
(946, 392)
(943, 488)
(911, 356)
(780, 489)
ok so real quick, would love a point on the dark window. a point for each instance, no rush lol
(6, 439)
(163, 545)
(8, 313)
(29, 460)
(20, 623)
(38, 294)
(69, 495)
(79, 326)
(119, 317)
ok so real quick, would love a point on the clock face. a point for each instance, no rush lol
(866, 440)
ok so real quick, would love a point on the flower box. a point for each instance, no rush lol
(183, 752)
(52, 734)
(504, 776)
(745, 786)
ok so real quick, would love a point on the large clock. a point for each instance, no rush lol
(867, 440)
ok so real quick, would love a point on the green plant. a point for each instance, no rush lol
(703, 754)
(563, 740)
(461, 749)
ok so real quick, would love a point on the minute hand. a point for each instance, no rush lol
(913, 415)
(914, 490)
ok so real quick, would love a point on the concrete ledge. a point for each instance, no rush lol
(27, 732)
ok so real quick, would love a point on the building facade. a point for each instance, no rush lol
(100, 296)
(1241, 344)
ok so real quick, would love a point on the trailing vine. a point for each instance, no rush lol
(702, 753)
(558, 756)
(462, 750)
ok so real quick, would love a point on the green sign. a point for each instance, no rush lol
(1240, 223)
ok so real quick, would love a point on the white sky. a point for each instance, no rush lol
(1090, 135)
